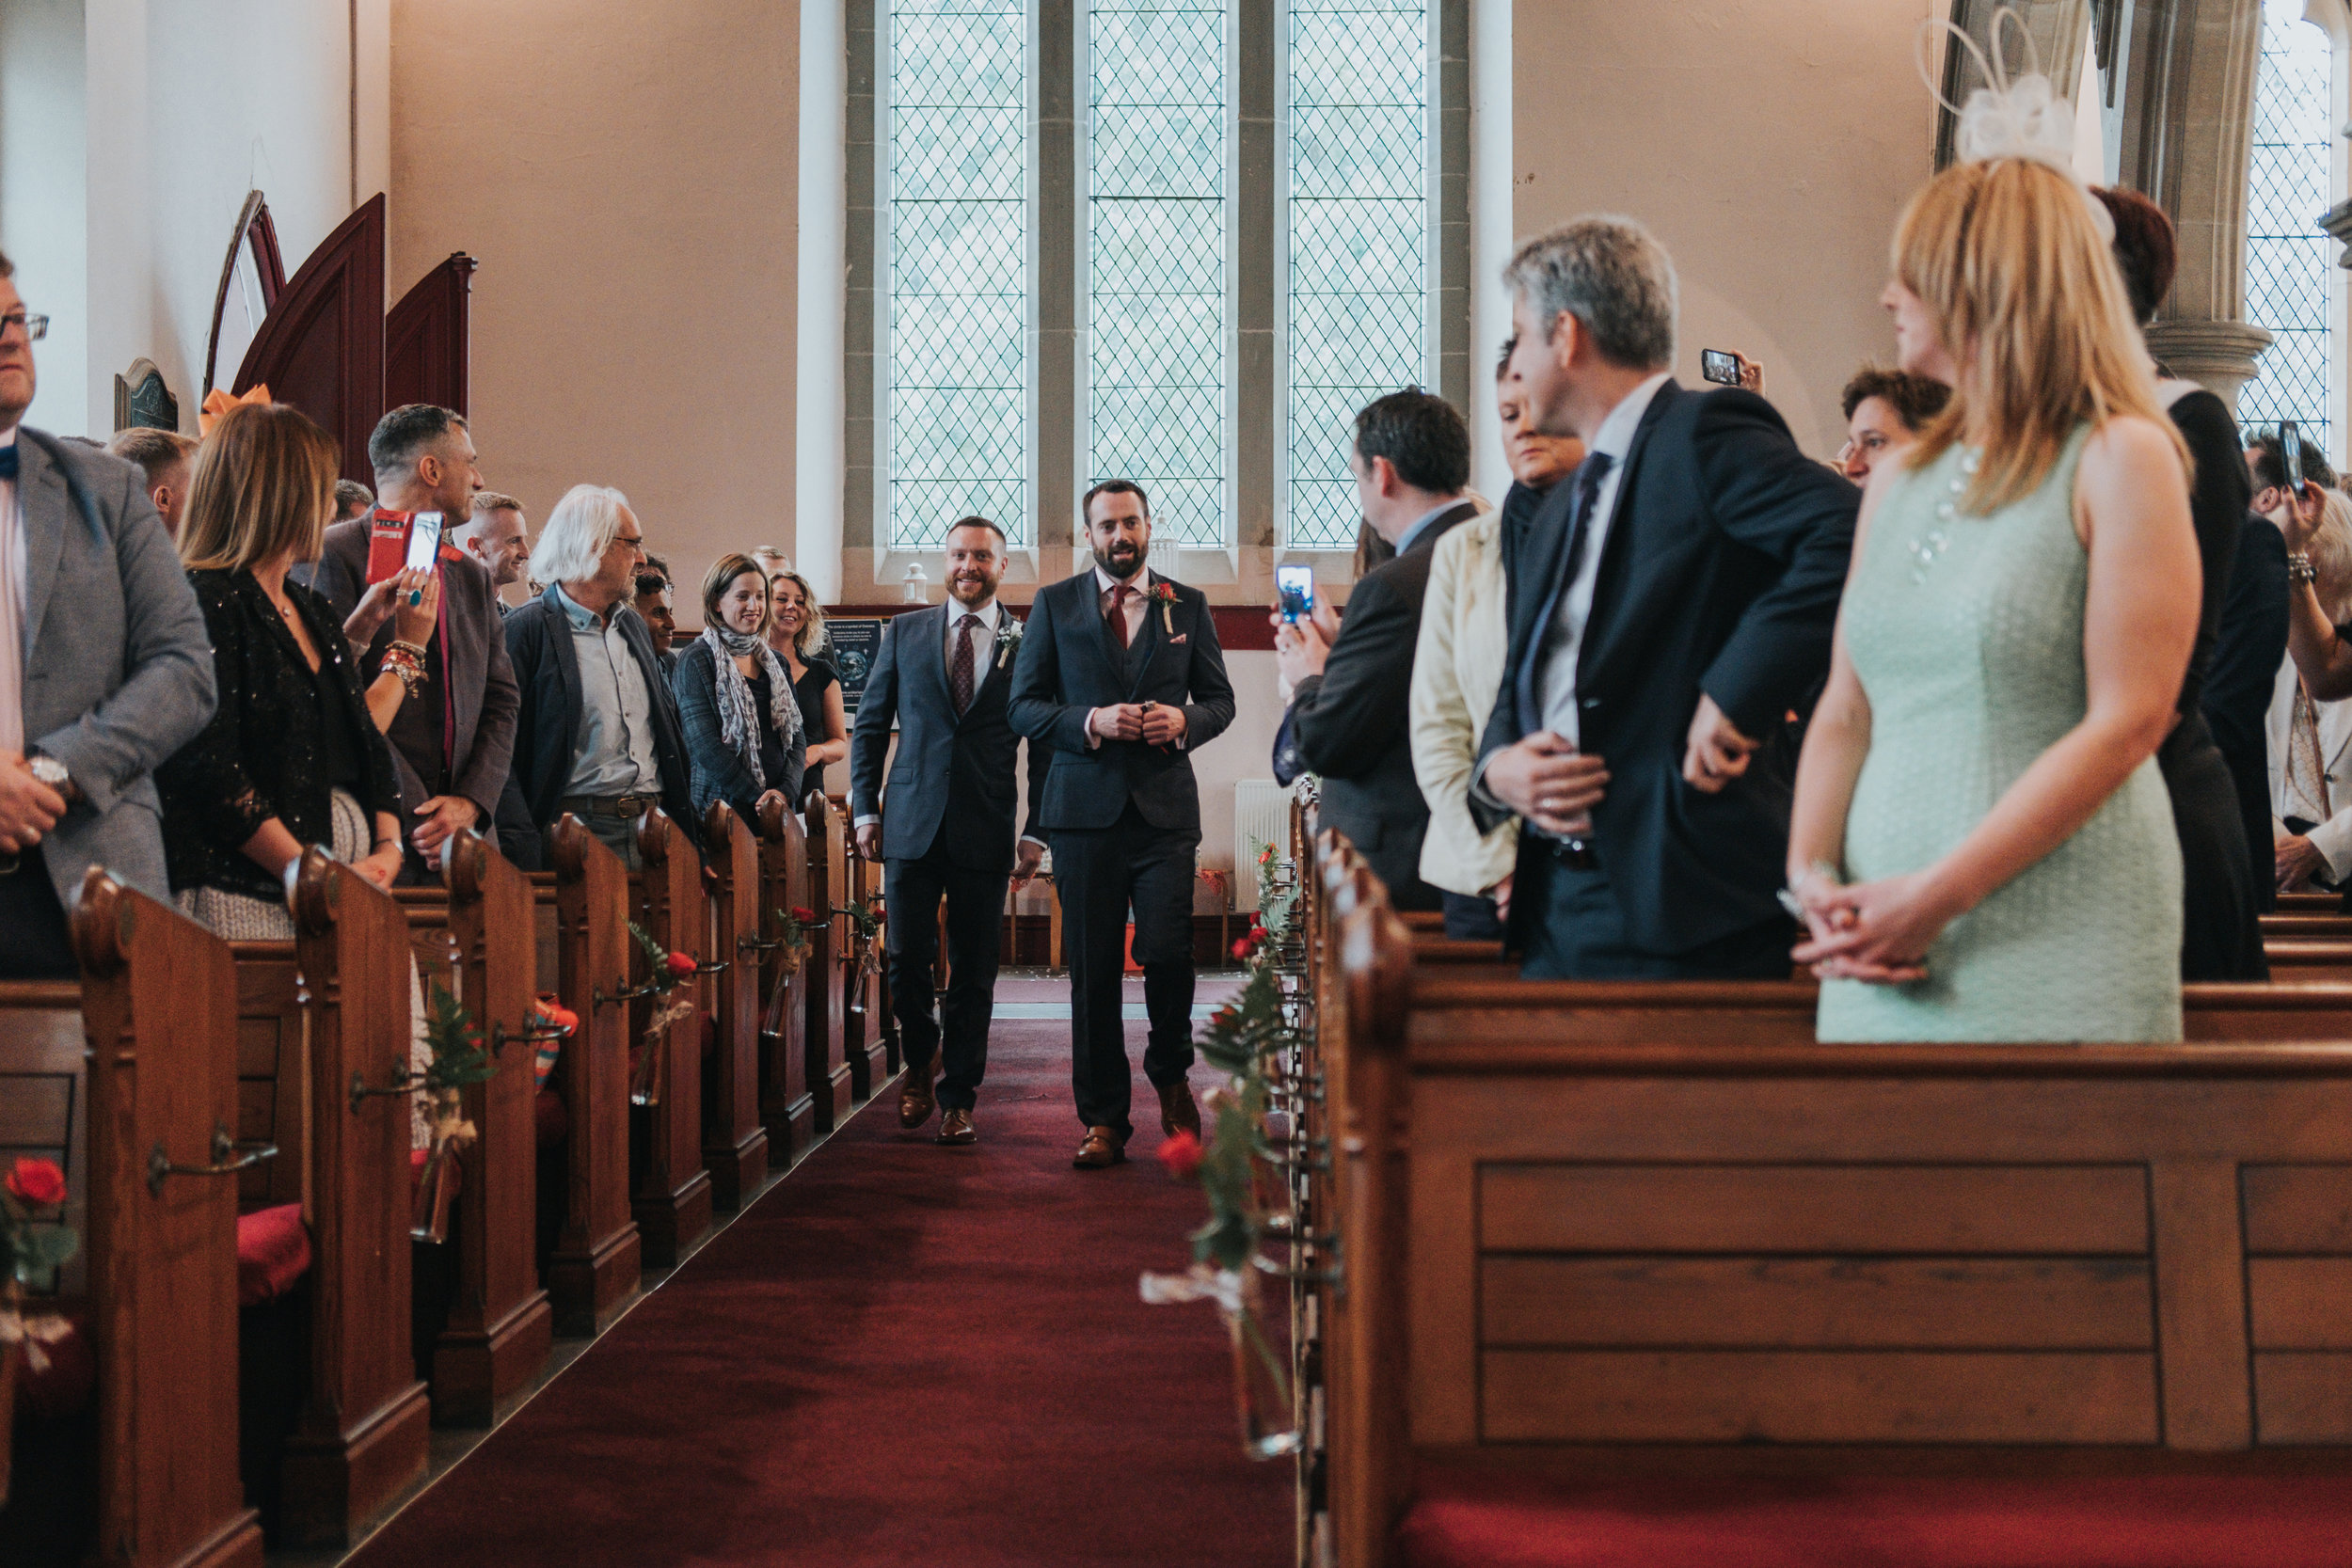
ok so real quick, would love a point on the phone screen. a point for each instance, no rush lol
(425, 542)
(1719, 367)
(2291, 453)
(1295, 590)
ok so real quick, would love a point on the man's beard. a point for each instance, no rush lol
(1123, 561)
(971, 591)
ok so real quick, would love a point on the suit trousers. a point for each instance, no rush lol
(912, 890)
(33, 944)
(1098, 874)
(1581, 936)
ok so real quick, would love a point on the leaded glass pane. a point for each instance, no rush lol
(1357, 213)
(957, 254)
(1156, 305)
(2287, 257)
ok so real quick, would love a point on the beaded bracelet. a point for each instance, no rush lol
(2299, 568)
(407, 661)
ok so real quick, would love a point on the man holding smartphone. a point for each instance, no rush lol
(453, 735)
(1350, 713)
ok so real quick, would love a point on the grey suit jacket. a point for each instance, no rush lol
(118, 672)
(481, 681)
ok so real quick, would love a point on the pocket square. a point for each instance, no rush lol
(1177, 637)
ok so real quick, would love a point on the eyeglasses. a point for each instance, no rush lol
(36, 327)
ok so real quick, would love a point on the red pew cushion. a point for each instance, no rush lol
(1493, 1521)
(547, 1115)
(272, 1252)
(67, 1376)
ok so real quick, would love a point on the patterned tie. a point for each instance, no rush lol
(959, 668)
(8, 461)
(1120, 595)
(2307, 773)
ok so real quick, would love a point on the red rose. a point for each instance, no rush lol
(1241, 948)
(1181, 1154)
(679, 965)
(806, 917)
(39, 1182)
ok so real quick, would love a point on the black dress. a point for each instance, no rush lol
(809, 691)
(2239, 684)
(2220, 932)
(282, 739)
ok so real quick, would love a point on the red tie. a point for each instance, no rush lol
(1119, 614)
(960, 673)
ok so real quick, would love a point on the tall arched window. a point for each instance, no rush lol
(2290, 264)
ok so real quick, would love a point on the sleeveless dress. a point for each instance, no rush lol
(1968, 634)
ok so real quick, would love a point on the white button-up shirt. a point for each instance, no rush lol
(615, 751)
(983, 642)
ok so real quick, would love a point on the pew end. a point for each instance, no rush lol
(597, 1256)
(787, 1108)
(735, 1142)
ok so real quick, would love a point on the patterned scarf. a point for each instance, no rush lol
(738, 717)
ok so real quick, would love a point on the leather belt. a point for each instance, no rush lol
(610, 805)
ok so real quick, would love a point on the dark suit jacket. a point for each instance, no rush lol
(1352, 721)
(547, 731)
(482, 696)
(2247, 649)
(720, 771)
(948, 774)
(1068, 666)
(1721, 575)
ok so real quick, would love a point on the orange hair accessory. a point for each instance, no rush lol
(217, 402)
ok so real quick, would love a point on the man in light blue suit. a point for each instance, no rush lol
(104, 669)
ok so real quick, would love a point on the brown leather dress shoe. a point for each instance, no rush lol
(955, 1127)
(1103, 1148)
(916, 1100)
(1177, 1111)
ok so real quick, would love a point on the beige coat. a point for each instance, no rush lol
(1457, 669)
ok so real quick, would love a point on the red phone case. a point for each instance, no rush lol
(388, 544)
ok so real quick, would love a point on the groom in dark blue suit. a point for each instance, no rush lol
(1680, 591)
(945, 828)
(1121, 676)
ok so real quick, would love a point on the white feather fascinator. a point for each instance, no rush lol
(2019, 118)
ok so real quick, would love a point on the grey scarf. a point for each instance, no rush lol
(738, 717)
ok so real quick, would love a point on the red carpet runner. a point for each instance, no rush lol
(903, 1353)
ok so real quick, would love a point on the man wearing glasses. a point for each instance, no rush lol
(104, 668)
(598, 734)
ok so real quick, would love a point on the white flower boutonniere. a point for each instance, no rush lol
(1009, 635)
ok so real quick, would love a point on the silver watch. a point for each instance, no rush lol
(49, 771)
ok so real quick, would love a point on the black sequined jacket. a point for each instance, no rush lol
(261, 756)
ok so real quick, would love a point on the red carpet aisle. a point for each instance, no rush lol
(901, 1355)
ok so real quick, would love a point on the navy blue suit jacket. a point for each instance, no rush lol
(947, 771)
(1068, 666)
(1724, 561)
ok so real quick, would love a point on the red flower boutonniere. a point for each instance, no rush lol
(1165, 593)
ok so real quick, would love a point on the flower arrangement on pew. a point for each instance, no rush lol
(1249, 1041)
(553, 1023)
(793, 927)
(668, 972)
(866, 919)
(33, 1243)
(458, 1059)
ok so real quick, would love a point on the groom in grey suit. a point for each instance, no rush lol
(104, 669)
(947, 826)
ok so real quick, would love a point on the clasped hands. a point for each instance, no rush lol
(1154, 723)
(1877, 932)
(1546, 780)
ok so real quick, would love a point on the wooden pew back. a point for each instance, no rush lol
(828, 1064)
(597, 1253)
(787, 1109)
(673, 1202)
(735, 1145)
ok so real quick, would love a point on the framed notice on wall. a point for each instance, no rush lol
(855, 640)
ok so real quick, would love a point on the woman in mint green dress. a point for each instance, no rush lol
(1982, 844)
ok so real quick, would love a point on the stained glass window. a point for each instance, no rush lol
(2288, 260)
(1358, 230)
(956, 247)
(1157, 301)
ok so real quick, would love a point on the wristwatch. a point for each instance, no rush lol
(49, 771)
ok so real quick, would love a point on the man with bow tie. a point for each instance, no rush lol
(105, 669)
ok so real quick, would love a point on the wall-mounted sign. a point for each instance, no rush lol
(855, 640)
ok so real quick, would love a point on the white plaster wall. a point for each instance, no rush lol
(626, 175)
(43, 224)
(1770, 144)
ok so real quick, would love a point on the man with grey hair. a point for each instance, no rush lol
(599, 735)
(1677, 598)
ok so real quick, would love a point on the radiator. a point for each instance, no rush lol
(1262, 815)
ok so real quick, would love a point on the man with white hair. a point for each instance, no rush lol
(599, 733)
(498, 535)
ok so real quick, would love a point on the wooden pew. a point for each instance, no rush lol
(1601, 1231)
(787, 1109)
(672, 1201)
(862, 1041)
(501, 1326)
(735, 1144)
(334, 1030)
(141, 1125)
(828, 1066)
(594, 1266)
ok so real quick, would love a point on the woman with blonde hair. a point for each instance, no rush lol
(1981, 844)
(292, 756)
(796, 630)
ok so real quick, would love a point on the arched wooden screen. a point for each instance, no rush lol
(252, 276)
(426, 338)
(322, 348)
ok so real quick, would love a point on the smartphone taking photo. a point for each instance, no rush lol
(2291, 453)
(1295, 591)
(425, 542)
(1719, 366)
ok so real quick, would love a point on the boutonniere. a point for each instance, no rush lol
(1165, 593)
(1009, 635)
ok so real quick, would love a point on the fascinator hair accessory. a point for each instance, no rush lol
(2019, 118)
(217, 402)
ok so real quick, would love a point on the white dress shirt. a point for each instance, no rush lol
(614, 752)
(12, 593)
(1137, 606)
(983, 642)
(1555, 675)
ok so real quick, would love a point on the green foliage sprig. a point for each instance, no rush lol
(456, 1039)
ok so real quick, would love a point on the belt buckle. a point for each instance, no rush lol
(1575, 853)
